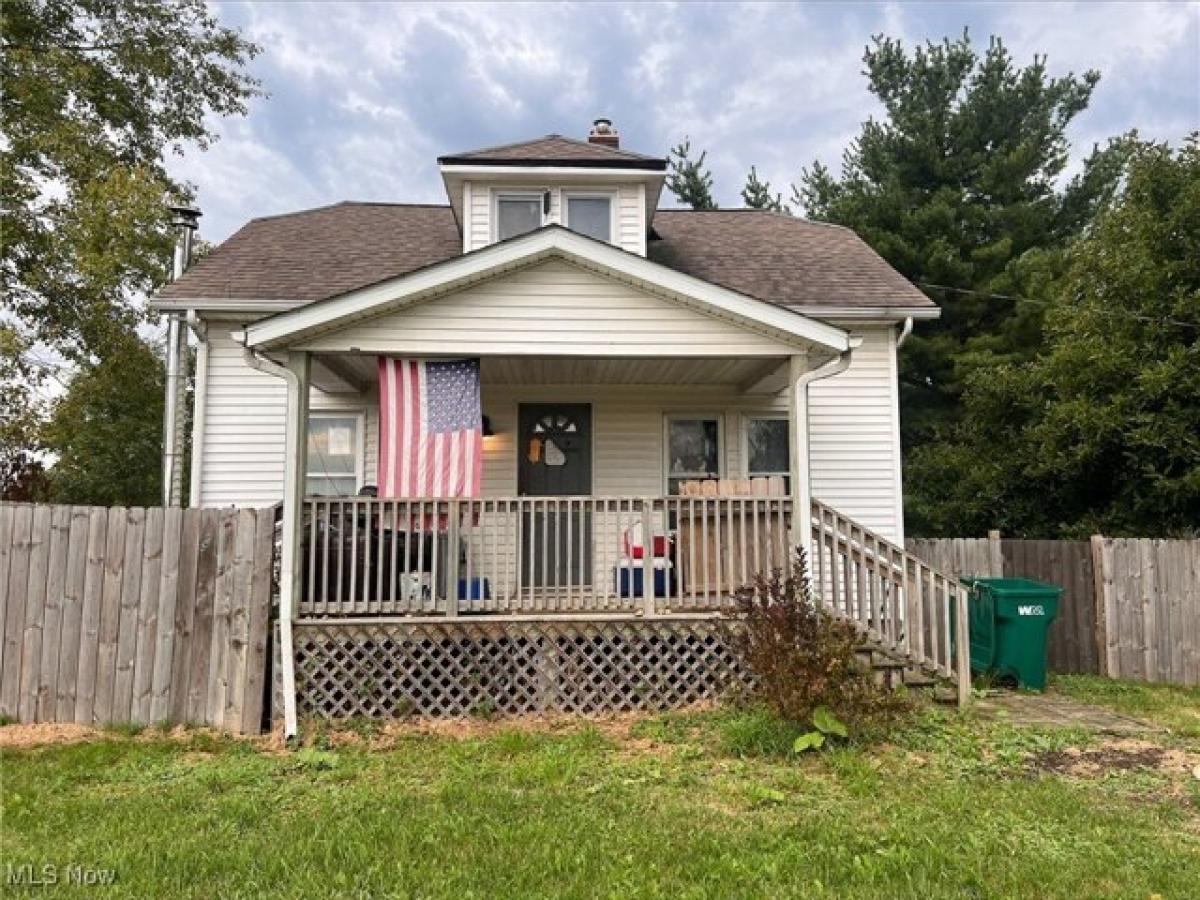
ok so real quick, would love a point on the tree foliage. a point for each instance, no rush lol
(20, 417)
(96, 93)
(756, 194)
(106, 431)
(1101, 431)
(689, 179)
(956, 188)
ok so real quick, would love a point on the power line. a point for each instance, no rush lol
(1117, 313)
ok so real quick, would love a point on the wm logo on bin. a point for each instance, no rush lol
(1038, 610)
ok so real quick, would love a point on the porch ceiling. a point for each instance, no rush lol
(355, 372)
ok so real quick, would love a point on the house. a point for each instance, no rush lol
(665, 397)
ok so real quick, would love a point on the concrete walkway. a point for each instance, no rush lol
(1057, 711)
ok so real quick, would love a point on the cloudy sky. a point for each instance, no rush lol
(364, 96)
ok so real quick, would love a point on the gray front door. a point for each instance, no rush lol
(554, 459)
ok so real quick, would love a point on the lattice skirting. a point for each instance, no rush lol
(474, 667)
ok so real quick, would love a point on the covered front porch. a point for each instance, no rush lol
(609, 485)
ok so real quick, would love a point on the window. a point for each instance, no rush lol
(693, 450)
(767, 447)
(591, 216)
(517, 214)
(333, 457)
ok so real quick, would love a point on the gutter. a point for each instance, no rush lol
(287, 562)
(835, 366)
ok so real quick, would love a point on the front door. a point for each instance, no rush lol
(554, 459)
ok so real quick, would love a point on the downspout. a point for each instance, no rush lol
(185, 223)
(798, 399)
(905, 331)
(287, 574)
(835, 366)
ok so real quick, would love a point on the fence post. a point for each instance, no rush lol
(962, 646)
(1099, 605)
(995, 554)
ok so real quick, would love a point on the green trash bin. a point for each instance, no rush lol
(1008, 622)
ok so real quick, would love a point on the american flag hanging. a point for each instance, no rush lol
(430, 428)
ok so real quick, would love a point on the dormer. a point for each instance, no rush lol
(592, 187)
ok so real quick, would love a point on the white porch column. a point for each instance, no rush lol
(294, 467)
(798, 451)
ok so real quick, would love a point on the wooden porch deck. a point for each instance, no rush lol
(363, 646)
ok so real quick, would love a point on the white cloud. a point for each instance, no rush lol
(364, 96)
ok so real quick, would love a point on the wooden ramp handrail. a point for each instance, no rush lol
(905, 606)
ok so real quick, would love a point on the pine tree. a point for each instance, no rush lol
(1100, 433)
(689, 180)
(957, 186)
(757, 194)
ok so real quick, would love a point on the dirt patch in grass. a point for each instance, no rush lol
(24, 737)
(385, 735)
(1117, 756)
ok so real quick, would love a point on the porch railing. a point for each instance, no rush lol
(372, 557)
(899, 601)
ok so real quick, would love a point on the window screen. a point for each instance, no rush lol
(591, 216)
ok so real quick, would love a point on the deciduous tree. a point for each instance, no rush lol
(96, 93)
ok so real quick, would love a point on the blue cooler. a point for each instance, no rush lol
(630, 576)
(472, 589)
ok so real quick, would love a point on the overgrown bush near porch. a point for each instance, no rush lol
(802, 659)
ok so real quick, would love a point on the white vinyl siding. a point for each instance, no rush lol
(241, 450)
(854, 441)
(629, 217)
(551, 308)
(854, 436)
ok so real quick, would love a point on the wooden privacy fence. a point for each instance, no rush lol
(119, 614)
(1130, 606)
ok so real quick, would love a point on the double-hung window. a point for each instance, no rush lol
(768, 450)
(590, 214)
(334, 457)
(693, 445)
(517, 213)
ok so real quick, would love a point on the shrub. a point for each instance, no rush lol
(801, 658)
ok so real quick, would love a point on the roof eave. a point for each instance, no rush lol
(869, 312)
(637, 165)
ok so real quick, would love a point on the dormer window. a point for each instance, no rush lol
(590, 214)
(517, 214)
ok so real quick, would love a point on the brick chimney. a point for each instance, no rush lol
(604, 134)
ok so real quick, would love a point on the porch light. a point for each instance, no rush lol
(487, 427)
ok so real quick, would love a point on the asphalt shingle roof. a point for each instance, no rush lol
(554, 149)
(286, 261)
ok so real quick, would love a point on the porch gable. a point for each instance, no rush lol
(329, 324)
(551, 308)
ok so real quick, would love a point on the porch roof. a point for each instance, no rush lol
(294, 326)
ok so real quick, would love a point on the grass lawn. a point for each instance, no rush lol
(699, 804)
